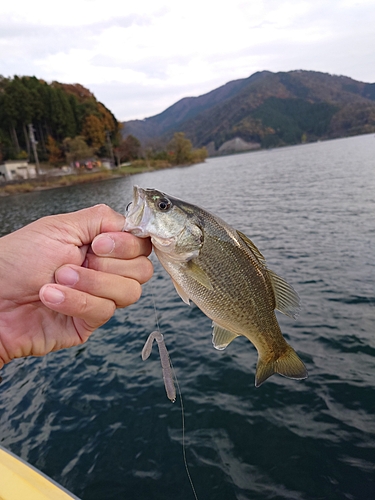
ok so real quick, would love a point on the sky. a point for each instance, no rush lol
(139, 57)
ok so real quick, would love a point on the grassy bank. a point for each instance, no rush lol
(53, 181)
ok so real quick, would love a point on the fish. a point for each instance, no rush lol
(223, 273)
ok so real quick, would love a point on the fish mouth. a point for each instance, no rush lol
(137, 214)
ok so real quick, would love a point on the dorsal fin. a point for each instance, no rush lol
(253, 248)
(287, 299)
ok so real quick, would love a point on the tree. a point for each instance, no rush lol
(199, 155)
(93, 131)
(180, 149)
(77, 149)
(10, 116)
(22, 103)
(129, 149)
(61, 115)
(54, 152)
(57, 110)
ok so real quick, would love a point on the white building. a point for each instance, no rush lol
(13, 170)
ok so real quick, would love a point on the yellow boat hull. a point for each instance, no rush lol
(20, 480)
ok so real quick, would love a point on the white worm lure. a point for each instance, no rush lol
(165, 362)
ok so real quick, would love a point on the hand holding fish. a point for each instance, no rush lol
(63, 276)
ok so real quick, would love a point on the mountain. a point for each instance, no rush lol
(267, 109)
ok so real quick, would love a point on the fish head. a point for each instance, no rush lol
(169, 222)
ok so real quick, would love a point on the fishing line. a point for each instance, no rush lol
(182, 409)
(183, 432)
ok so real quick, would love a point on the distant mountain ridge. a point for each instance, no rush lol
(267, 109)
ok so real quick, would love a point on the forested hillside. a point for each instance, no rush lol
(269, 109)
(59, 114)
(265, 110)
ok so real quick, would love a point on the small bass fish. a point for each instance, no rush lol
(223, 273)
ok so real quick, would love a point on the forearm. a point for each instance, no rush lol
(3, 355)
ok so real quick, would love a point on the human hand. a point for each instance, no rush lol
(63, 276)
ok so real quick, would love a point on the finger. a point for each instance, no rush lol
(140, 269)
(121, 245)
(122, 291)
(94, 311)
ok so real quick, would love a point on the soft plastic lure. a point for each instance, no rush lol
(165, 362)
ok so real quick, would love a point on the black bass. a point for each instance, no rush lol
(223, 273)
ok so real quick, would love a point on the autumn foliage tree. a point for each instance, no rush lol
(129, 149)
(54, 151)
(56, 111)
(93, 131)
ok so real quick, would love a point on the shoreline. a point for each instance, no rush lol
(52, 182)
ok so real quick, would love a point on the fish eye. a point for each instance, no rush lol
(164, 204)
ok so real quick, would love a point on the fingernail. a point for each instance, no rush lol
(53, 295)
(103, 245)
(66, 276)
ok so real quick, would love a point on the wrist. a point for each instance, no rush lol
(4, 314)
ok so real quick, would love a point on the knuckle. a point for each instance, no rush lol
(148, 246)
(81, 304)
(134, 292)
(99, 315)
(102, 209)
(147, 269)
(95, 263)
(133, 247)
(137, 292)
(111, 309)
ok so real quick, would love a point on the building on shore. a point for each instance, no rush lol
(14, 170)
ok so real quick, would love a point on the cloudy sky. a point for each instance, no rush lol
(139, 57)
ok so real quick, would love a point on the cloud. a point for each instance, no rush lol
(144, 56)
(129, 98)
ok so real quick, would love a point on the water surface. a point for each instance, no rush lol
(96, 417)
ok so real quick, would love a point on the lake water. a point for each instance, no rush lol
(96, 418)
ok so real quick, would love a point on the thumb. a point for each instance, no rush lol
(82, 226)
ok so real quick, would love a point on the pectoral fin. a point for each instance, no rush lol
(194, 271)
(221, 338)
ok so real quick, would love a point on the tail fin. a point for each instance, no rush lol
(288, 365)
